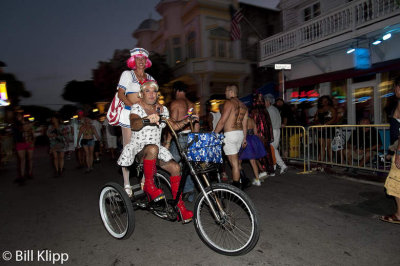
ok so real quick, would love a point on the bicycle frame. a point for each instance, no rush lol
(193, 173)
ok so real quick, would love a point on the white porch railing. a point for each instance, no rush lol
(352, 17)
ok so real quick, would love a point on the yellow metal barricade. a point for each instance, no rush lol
(352, 146)
(293, 144)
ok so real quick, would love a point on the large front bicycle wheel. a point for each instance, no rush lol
(116, 211)
(237, 230)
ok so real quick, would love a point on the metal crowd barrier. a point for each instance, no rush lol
(293, 144)
(351, 146)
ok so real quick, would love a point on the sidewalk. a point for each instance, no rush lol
(342, 172)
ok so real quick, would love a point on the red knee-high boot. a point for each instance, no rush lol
(186, 215)
(149, 169)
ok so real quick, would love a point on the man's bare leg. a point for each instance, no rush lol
(234, 162)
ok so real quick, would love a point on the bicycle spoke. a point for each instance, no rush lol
(115, 208)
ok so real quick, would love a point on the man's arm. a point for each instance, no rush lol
(173, 116)
(137, 123)
(224, 116)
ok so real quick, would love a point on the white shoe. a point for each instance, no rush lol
(256, 182)
(272, 174)
(283, 170)
(128, 190)
(262, 175)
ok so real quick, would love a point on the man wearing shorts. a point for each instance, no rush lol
(234, 124)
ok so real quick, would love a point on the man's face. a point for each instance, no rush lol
(397, 91)
(149, 94)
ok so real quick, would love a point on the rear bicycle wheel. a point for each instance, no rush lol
(116, 211)
(237, 232)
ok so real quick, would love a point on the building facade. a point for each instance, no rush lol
(195, 37)
(346, 49)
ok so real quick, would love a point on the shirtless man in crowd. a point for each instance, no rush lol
(234, 124)
(179, 109)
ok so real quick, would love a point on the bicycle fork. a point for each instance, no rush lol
(213, 210)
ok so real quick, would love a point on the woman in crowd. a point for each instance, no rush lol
(24, 144)
(88, 133)
(264, 129)
(58, 135)
(326, 115)
(254, 150)
(128, 88)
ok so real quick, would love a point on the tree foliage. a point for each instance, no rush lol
(68, 111)
(106, 75)
(81, 92)
(160, 70)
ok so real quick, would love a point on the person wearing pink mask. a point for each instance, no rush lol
(128, 88)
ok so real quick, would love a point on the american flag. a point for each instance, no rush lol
(235, 27)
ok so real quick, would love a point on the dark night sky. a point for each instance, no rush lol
(47, 43)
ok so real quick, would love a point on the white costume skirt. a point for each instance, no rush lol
(124, 118)
(130, 150)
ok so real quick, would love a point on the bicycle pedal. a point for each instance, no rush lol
(136, 187)
(139, 194)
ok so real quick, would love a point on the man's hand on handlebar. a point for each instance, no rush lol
(154, 119)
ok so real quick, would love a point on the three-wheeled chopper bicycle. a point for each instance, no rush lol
(224, 216)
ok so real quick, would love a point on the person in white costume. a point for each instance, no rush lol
(146, 145)
(128, 88)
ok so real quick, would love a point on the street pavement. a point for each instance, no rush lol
(306, 219)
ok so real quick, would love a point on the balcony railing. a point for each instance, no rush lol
(352, 17)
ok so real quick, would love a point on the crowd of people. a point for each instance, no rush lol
(83, 136)
(250, 133)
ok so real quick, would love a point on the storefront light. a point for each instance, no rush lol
(350, 50)
(377, 42)
(387, 36)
